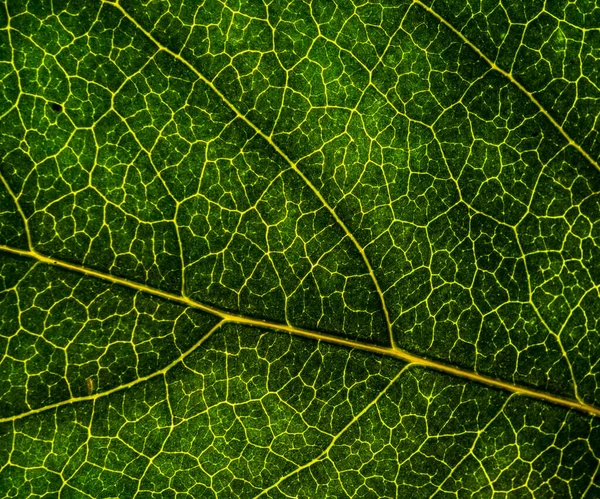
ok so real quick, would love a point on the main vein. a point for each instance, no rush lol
(229, 317)
(279, 151)
(513, 80)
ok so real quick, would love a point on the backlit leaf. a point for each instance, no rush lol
(299, 249)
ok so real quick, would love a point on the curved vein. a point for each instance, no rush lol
(281, 153)
(136, 381)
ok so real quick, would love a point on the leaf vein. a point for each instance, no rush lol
(228, 317)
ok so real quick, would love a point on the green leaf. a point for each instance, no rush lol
(299, 249)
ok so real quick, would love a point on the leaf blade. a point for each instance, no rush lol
(354, 176)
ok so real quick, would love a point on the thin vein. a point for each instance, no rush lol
(119, 388)
(270, 141)
(19, 209)
(338, 435)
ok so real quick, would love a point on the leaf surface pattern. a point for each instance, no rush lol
(299, 249)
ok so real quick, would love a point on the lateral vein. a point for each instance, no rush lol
(134, 382)
(281, 153)
(513, 80)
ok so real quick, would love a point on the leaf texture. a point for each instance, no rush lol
(299, 249)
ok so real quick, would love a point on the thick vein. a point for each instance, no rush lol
(279, 151)
(229, 317)
(513, 80)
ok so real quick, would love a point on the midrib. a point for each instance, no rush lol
(228, 317)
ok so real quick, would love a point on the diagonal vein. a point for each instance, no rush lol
(513, 80)
(279, 151)
(229, 317)
(337, 437)
(119, 388)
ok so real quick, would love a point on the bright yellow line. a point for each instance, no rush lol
(305, 333)
(117, 388)
(508, 75)
(235, 318)
(277, 149)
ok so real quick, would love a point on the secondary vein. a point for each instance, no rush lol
(279, 151)
(513, 80)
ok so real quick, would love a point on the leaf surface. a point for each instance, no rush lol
(299, 249)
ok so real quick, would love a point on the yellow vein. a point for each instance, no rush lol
(270, 141)
(337, 436)
(19, 209)
(513, 80)
(314, 335)
(136, 381)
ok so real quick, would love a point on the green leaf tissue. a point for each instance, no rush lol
(300, 249)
